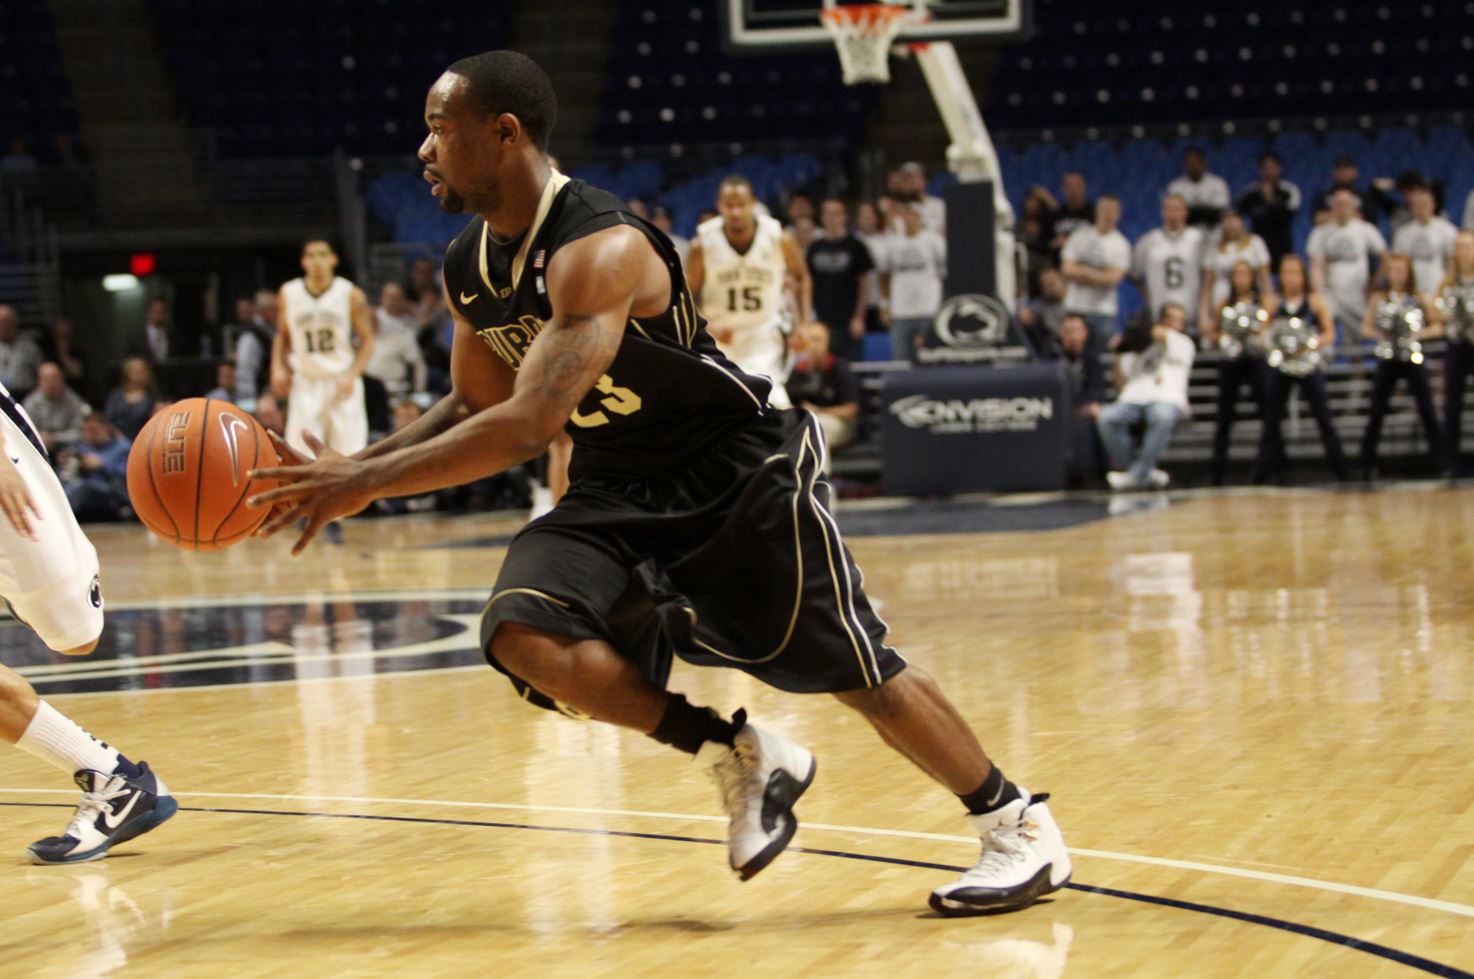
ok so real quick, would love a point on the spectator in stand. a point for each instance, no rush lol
(130, 405)
(1087, 395)
(841, 268)
(1152, 389)
(1036, 233)
(1468, 223)
(914, 263)
(1168, 262)
(404, 414)
(870, 229)
(156, 342)
(99, 488)
(1341, 251)
(1206, 193)
(823, 385)
(55, 409)
(20, 357)
(67, 152)
(1270, 206)
(800, 207)
(1427, 238)
(253, 347)
(660, 216)
(1235, 244)
(1371, 203)
(805, 232)
(268, 412)
(1042, 316)
(911, 190)
(1074, 211)
(396, 369)
(225, 383)
(638, 208)
(1094, 260)
(60, 348)
(425, 283)
(19, 159)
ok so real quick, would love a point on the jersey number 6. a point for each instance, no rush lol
(621, 401)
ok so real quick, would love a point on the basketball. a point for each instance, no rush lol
(188, 474)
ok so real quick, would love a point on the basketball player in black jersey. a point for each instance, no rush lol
(697, 523)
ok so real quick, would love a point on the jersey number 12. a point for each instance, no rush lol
(324, 344)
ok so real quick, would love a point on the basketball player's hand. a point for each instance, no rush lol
(329, 487)
(15, 500)
(344, 389)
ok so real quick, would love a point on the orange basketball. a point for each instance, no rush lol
(187, 474)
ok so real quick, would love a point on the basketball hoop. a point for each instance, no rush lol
(864, 33)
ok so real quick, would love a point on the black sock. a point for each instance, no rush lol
(995, 793)
(687, 728)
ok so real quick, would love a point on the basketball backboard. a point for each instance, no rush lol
(769, 25)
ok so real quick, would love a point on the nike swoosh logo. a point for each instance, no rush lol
(230, 425)
(113, 821)
(996, 796)
(468, 300)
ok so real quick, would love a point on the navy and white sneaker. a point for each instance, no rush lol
(113, 810)
(760, 777)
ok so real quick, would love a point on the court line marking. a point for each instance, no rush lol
(1395, 897)
(1280, 924)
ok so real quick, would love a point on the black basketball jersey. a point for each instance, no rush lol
(669, 391)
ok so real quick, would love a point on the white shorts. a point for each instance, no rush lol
(50, 583)
(342, 425)
(762, 350)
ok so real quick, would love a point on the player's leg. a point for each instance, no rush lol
(821, 635)
(559, 598)
(52, 586)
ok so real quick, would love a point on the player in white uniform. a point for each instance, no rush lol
(314, 361)
(1168, 262)
(742, 268)
(49, 578)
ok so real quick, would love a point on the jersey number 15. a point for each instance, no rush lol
(751, 298)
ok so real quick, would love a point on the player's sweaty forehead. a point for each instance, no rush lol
(442, 102)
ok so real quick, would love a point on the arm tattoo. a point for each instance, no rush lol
(568, 350)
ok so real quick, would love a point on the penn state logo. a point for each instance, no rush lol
(94, 593)
(971, 320)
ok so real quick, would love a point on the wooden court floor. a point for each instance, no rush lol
(1255, 713)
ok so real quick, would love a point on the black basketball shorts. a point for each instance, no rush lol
(730, 559)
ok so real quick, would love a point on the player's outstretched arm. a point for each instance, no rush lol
(592, 284)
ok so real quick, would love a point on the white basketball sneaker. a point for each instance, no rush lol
(760, 778)
(1023, 859)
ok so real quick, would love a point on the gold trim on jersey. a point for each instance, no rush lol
(555, 183)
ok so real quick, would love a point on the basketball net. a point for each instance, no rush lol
(863, 34)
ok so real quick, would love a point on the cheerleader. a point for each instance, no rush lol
(1299, 368)
(1454, 311)
(1237, 331)
(1395, 321)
